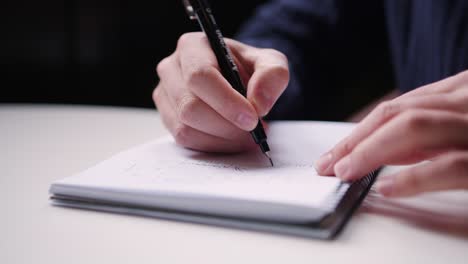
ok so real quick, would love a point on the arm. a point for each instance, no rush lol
(332, 46)
(290, 27)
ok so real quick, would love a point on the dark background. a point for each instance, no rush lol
(105, 52)
(94, 52)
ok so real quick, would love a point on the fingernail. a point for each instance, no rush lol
(247, 121)
(323, 162)
(385, 185)
(343, 169)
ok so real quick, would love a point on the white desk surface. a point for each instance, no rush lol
(40, 144)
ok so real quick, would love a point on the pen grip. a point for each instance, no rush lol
(225, 60)
(223, 55)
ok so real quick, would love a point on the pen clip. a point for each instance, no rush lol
(189, 9)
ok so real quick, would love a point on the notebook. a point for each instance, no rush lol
(163, 180)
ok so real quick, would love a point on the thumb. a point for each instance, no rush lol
(269, 77)
(266, 72)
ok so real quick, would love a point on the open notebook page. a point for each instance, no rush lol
(162, 174)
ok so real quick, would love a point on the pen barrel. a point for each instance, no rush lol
(227, 65)
(222, 52)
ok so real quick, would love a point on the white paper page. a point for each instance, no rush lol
(159, 170)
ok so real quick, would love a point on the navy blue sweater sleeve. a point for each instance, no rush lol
(328, 43)
(292, 27)
(336, 46)
(428, 40)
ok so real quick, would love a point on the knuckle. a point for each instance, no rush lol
(410, 180)
(281, 72)
(387, 110)
(197, 73)
(460, 100)
(417, 121)
(459, 163)
(181, 134)
(185, 39)
(156, 94)
(186, 107)
(276, 53)
(162, 66)
(463, 96)
(344, 148)
(463, 77)
(361, 156)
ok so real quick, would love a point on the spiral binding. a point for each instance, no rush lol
(333, 200)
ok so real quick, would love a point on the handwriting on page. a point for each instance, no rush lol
(162, 167)
(213, 170)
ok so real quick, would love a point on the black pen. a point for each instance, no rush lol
(201, 11)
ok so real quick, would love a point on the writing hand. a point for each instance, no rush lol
(200, 108)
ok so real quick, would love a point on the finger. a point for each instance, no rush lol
(446, 85)
(383, 114)
(163, 106)
(411, 137)
(201, 75)
(270, 77)
(448, 172)
(189, 137)
(189, 109)
(268, 72)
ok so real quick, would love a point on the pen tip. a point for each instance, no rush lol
(267, 154)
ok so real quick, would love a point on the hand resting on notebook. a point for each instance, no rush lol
(428, 123)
